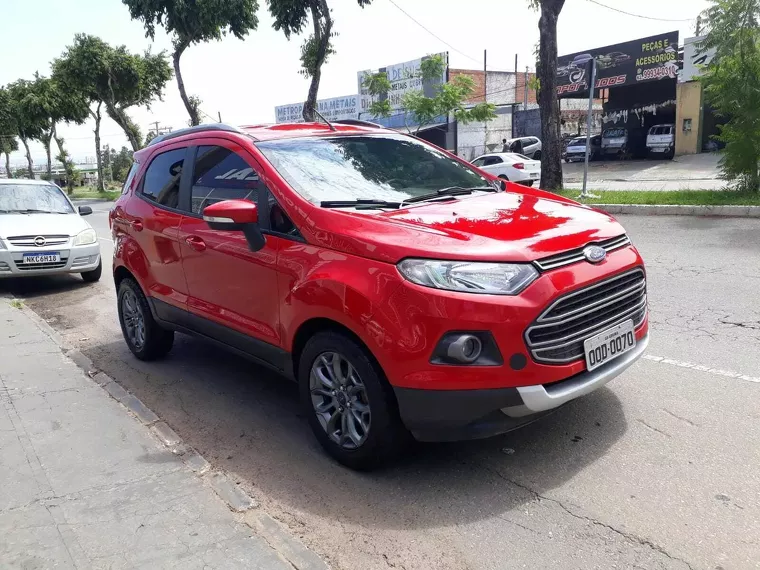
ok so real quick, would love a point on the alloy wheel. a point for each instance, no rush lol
(134, 320)
(339, 399)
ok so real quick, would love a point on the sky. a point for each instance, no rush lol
(245, 79)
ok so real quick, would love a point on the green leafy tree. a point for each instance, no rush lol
(8, 142)
(191, 22)
(546, 73)
(121, 162)
(291, 16)
(30, 124)
(449, 98)
(732, 86)
(51, 103)
(113, 78)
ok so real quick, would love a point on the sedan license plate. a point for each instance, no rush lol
(47, 257)
(609, 344)
(534, 174)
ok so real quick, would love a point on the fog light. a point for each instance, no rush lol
(465, 348)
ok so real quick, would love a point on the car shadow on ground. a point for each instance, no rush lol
(32, 287)
(246, 420)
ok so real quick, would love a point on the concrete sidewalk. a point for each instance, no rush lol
(87, 485)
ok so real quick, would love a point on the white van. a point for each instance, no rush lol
(661, 141)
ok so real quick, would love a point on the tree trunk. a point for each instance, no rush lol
(195, 118)
(322, 37)
(98, 156)
(29, 162)
(47, 142)
(121, 118)
(551, 153)
(8, 165)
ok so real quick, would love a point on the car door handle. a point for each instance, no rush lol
(196, 243)
(137, 225)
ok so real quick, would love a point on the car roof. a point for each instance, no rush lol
(25, 181)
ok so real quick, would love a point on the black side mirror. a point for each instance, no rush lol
(85, 210)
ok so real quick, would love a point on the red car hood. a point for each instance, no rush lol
(507, 226)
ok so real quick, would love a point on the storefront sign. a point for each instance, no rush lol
(647, 59)
(695, 59)
(403, 78)
(333, 109)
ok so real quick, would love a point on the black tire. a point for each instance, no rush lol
(156, 341)
(94, 275)
(504, 177)
(537, 155)
(386, 437)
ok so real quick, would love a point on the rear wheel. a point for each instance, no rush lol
(349, 404)
(504, 177)
(537, 155)
(94, 275)
(145, 338)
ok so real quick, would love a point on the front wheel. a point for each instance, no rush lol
(349, 404)
(145, 338)
(94, 275)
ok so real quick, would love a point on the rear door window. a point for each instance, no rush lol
(161, 180)
(221, 174)
(491, 160)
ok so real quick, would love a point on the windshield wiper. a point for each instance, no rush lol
(368, 204)
(33, 211)
(450, 191)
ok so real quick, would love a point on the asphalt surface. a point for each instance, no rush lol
(660, 469)
(690, 172)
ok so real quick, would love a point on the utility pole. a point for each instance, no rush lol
(220, 116)
(515, 65)
(585, 193)
(485, 98)
(525, 104)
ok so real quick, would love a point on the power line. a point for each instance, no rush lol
(408, 15)
(639, 15)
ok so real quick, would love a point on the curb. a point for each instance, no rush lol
(663, 210)
(277, 536)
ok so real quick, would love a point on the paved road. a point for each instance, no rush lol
(693, 172)
(661, 469)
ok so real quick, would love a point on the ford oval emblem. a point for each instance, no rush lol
(595, 254)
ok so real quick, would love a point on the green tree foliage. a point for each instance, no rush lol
(117, 163)
(291, 16)
(191, 22)
(8, 132)
(732, 86)
(449, 98)
(115, 78)
(30, 123)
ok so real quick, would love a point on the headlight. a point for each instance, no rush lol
(469, 277)
(86, 237)
(2, 245)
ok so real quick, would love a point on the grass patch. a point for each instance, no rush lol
(671, 197)
(91, 193)
(16, 304)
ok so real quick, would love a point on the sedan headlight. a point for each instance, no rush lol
(469, 277)
(86, 237)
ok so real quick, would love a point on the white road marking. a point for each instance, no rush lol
(701, 368)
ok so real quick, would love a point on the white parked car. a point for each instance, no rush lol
(510, 166)
(661, 141)
(42, 233)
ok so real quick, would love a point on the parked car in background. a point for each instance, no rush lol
(407, 292)
(527, 146)
(511, 167)
(576, 149)
(622, 142)
(661, 141)
(42, 233)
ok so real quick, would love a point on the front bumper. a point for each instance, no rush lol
(453, 415)
(73, 260)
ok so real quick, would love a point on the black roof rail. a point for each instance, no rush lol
(358, 123)
(196, 129)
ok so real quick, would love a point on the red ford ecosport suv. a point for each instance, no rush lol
(405, 290)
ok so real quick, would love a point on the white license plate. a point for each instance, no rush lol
(609, 344)
(658, 149)
(48, 257)
(534, 174)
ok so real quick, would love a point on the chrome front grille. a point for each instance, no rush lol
(576, 255)
(557, 336)
(29, 241)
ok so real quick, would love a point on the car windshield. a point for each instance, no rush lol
(577, 142)
(33, 199)
(364, 167)
(614, 133)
